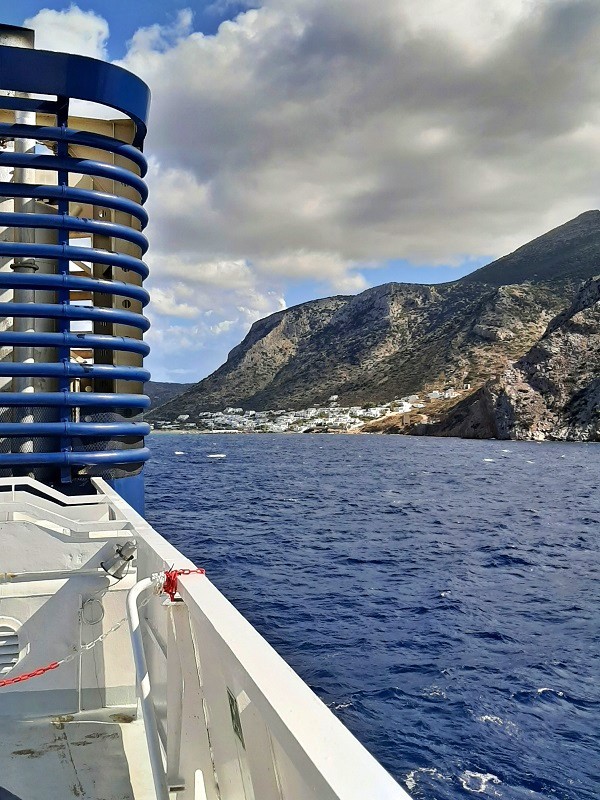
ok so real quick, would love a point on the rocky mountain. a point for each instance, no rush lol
(565, 252)
(552, 392)
(161, 392)
(396, 339)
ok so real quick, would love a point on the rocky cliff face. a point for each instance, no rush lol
(552, 392)
(161, 392)
(564, 252)
(397, 339)
(253, 369)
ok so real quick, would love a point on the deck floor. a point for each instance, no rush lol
(77, 756)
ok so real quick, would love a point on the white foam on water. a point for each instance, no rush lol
(216, 455)
(412, 778)
(547, 689)
(531, 462)
(489, 459)
(491, 718)
(446, 593)
(507, 451)
(435, 691)
(477, 782)
(179, 453)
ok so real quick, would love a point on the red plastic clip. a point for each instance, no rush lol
(170, 584)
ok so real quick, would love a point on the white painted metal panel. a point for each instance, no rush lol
(235, 721)
(332, 764)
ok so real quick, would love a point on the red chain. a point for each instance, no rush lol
(169, 587)
(27, 675)
(170, 584)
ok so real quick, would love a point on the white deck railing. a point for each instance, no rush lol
(291, 745)
(235, 721)
(227, 718)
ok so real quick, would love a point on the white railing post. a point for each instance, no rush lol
(144, 689)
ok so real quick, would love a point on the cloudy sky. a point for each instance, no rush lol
(301, 148)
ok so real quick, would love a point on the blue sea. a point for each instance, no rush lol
(441, 596)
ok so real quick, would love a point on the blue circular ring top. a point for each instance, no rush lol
(78, 77)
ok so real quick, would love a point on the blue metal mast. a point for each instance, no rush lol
(71, 312)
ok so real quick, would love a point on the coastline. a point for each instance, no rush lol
(181, 432)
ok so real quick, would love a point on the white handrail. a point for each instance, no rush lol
(144, 689)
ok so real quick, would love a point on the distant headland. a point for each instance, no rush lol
(511, 351)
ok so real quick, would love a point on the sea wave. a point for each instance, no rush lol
(461, 618)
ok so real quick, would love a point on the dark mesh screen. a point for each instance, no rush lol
(89, 443)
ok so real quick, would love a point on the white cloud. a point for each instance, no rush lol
(325, 268)
(167, 303)
(310, 140)
(157, 39)
(223, 327)
(476, 26)
(200, 310)
(210, 285)
(370, 132)
(70, 31)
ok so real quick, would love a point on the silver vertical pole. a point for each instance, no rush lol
(22, 205)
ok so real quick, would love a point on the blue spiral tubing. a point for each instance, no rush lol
(66, 76)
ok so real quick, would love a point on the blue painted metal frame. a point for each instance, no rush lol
(80, 77)
(81, 166)
(68, 77)
(102, 199)
(65, 252)
(84, 458)
(15, 280)
(47, 133)
(91, 341)
(95, 429)
(78, 224)
(65, 311)
(67, 370)
(79, 399)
